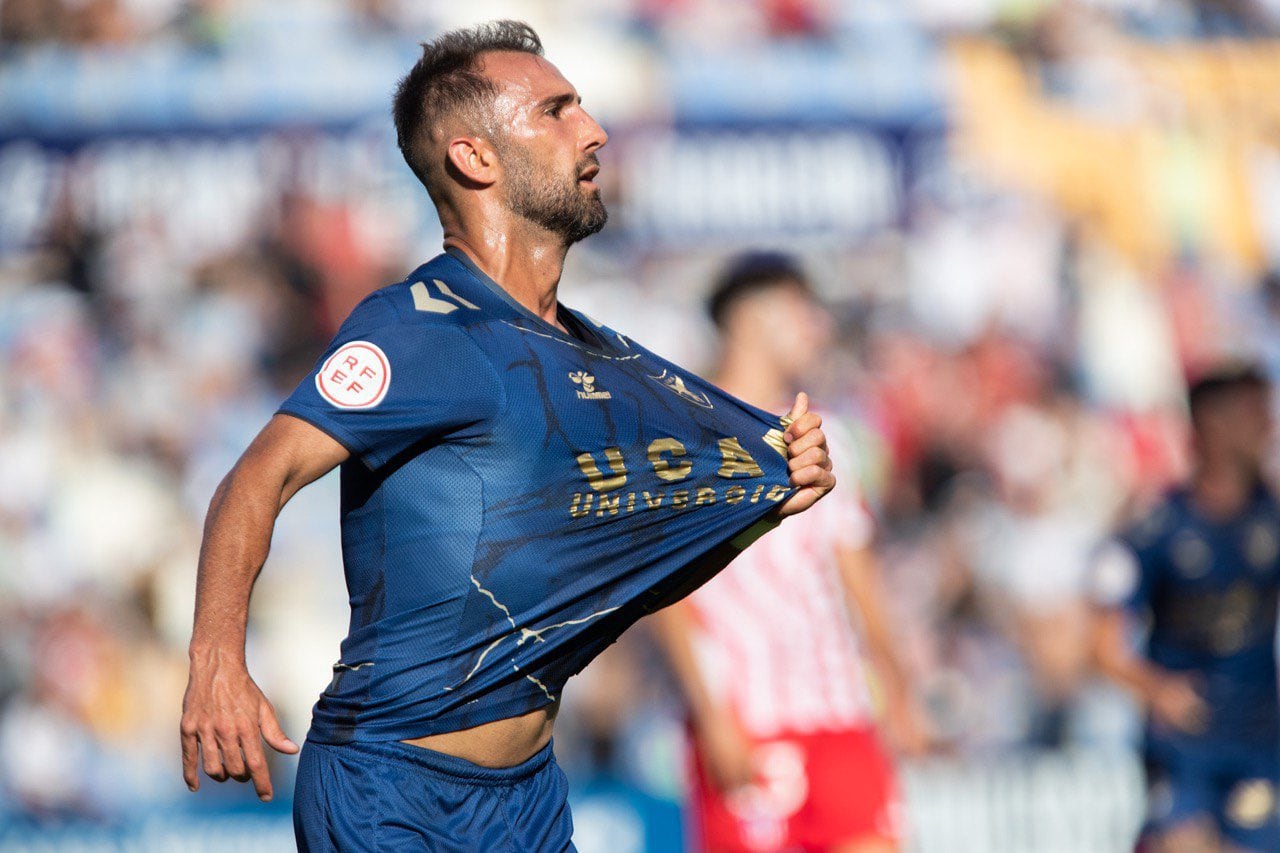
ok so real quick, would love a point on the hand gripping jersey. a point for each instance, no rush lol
(516, 497)
(1210, 589)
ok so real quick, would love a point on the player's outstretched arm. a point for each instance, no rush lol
(225, 716)
(807, 458)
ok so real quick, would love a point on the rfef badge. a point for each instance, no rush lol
(357, 376)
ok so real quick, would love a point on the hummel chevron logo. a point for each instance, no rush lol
(424, 301)
(588, 390)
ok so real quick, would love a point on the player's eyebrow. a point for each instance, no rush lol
(559, 101)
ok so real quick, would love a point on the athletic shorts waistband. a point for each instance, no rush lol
(442, 764)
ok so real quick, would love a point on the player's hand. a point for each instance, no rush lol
(1176, 703)
(226, 717)
(807, 458)
(907, 727)
(726, 753)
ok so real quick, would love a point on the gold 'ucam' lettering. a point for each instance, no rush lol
(580, 506)
(617, 468)
(777, 493)
(680, 499)
(734, 494)
(706, 495)
(653, 501)
(755, 496)
(736, 460)
(668, 469)
(607, 503)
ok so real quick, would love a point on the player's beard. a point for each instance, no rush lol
(560, 204)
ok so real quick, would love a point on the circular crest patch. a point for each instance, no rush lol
(357, 376)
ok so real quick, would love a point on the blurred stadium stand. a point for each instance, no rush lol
(1033, 221)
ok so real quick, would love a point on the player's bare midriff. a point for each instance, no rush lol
(502, 743)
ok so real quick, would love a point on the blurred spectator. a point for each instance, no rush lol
(786, 752)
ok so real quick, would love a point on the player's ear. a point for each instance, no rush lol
(475, 159)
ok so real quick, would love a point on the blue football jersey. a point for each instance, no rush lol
(515, 498)
(1210, 591)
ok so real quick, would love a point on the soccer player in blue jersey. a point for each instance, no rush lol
(519, 485)
(1204, 569)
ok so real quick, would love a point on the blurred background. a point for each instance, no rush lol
(1033, 220)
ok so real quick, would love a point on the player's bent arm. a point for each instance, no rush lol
(224, 713)
(1116, 659)
(1170, 697)
(674, 632)
(724, 747)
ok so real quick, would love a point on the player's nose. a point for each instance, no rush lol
(593, 135)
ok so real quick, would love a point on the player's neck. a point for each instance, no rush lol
(746, 373)
(1221, 490)
(526, 265)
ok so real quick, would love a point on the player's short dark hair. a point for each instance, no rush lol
(1218, 383)
(447, 79)
(752, 272)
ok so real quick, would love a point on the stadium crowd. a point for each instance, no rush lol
(122, 23)
(1012, 357)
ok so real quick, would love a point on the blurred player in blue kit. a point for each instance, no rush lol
(519, 485)
(1204, 569)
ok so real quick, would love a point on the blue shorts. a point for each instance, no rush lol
(1232, 784)
(393, 796)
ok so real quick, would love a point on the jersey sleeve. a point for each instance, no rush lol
(1121, 576)
(384, 385)
(1126, 570)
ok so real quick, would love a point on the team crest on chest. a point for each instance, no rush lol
(1261, 545)
(587, 389)
(673, 383)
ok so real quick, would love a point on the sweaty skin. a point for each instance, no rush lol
(502, 743)
(225, 715)
(542, 112)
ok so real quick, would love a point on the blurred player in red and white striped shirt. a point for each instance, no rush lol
(786, 754)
